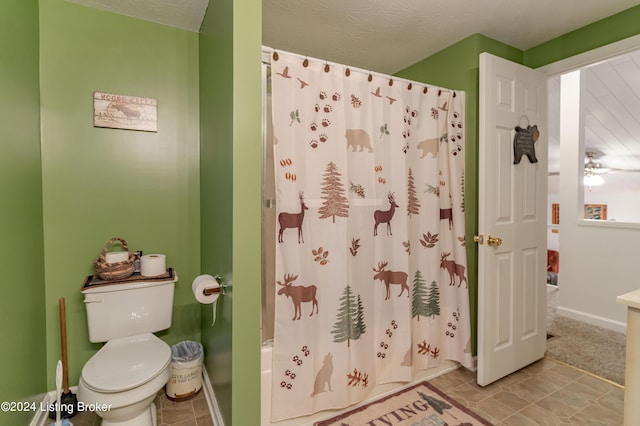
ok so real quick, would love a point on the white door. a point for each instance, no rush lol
(512, 208)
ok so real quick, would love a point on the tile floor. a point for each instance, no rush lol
(193, 412)
(544, 393)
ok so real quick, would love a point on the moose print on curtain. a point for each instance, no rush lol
(370, 258)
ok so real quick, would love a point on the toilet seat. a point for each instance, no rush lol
(126, 363)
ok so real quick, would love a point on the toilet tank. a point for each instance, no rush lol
(128, 309)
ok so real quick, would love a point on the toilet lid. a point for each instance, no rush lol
(126, 363)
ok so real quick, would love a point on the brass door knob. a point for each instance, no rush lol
(494, 241)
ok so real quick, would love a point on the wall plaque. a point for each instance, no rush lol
(125, 112)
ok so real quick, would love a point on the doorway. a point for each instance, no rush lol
(590, 248)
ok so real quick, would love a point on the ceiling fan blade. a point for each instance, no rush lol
(624, 170)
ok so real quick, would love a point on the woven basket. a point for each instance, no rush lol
(117, 270)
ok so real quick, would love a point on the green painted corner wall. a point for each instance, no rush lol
(99, 183)
(231, 194)
(216, 191)
(247, 208)
(22, 314)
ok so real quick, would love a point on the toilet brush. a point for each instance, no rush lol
(59, 422)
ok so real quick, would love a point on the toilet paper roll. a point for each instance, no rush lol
(198, 287)
(116, 256)
(200, 284)
(152, 265)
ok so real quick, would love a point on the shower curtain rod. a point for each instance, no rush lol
(268, 51)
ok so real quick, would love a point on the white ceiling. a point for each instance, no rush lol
(611, 111)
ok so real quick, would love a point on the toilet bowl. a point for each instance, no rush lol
(122, 379)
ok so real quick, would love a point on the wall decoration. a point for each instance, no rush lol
(595, 211)
(125, 112)
(523, 143)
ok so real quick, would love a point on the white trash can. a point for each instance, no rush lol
(186, 371)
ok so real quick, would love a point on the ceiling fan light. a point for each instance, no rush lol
(593, 180)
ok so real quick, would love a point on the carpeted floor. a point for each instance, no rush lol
(594, 349)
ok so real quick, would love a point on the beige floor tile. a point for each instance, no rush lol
(541, 385)
(597, 416)
(527, 393)
(519, 419)
(540, 416)
(472, 393)
(494, 410)
(557, 407)
(204, 421)
(613, 400)
(511, 400)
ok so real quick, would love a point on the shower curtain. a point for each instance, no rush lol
(370, 257)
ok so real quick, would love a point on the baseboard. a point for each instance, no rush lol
(212, 402)
(607, 323)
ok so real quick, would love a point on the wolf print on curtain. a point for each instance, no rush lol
(370, 258)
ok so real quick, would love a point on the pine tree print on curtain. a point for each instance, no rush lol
(369, 193)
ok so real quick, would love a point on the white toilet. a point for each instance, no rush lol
(125, 375)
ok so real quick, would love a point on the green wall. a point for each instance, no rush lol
(216, 190)
(606, 31)
(231, 185)
(99, 183)
(247, 208)
(22, 317)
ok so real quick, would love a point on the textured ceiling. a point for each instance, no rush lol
(183, 14)
(387, 36)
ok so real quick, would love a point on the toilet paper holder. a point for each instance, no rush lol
(208, 291)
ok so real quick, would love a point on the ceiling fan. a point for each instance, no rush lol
(595, 168)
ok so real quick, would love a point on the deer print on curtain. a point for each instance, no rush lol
(370, 257)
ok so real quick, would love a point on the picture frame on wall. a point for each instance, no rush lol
(127, 112)
(595, 211)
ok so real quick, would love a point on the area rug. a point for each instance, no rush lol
(420, 404)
